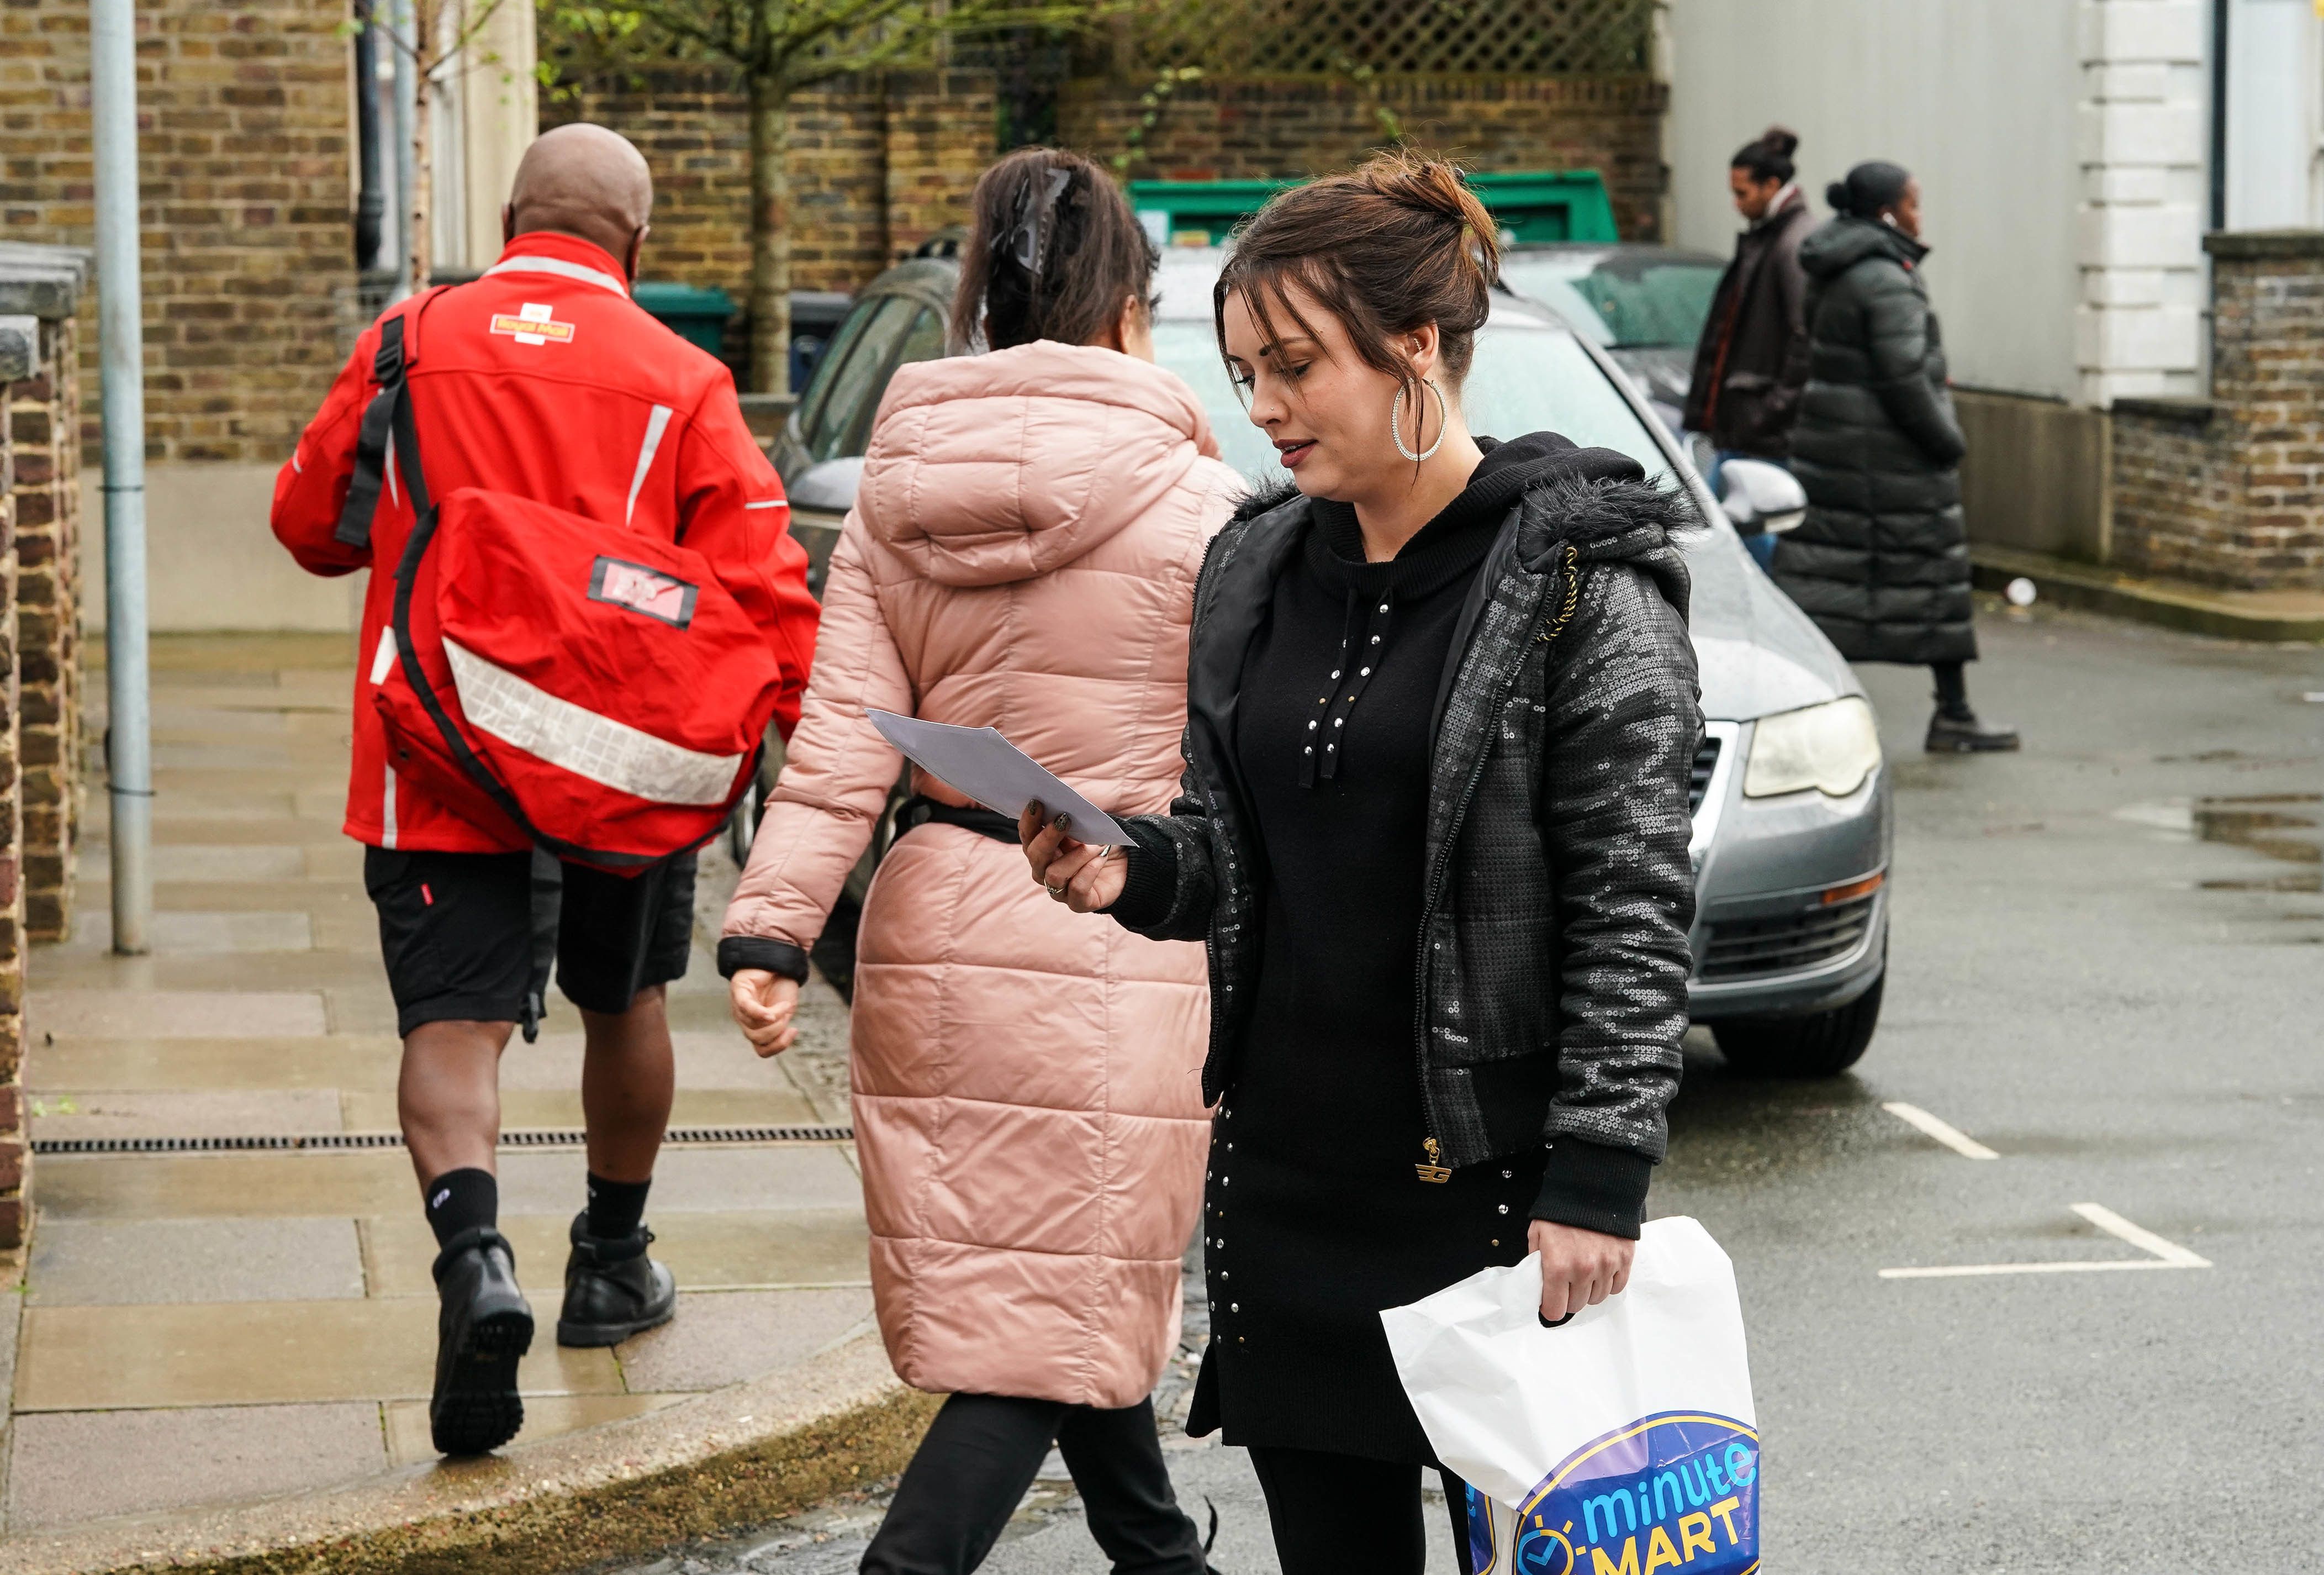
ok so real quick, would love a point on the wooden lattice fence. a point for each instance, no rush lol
(1368, 38)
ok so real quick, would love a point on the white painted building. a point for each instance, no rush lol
(2072, 155)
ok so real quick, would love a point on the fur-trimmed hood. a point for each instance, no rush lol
(1597, 500)
(1628, 520)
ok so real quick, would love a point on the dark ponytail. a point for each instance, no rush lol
(1768, 158)
(1398, 244)
(1053, 253)
(1870, 187)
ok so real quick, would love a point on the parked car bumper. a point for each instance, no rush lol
(1792, 895)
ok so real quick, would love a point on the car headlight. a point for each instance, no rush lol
(1833, 747)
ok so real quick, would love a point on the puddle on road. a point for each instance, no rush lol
(2278, 826)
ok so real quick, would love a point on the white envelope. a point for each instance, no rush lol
(987, 767)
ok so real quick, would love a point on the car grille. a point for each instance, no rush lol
(1751, 948)
(1698, 784)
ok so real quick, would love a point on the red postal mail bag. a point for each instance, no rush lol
(596, 688)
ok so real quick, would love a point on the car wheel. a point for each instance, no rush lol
(1820, 1045)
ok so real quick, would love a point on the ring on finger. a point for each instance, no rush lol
(1056, 892)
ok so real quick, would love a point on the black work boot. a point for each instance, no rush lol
(483, 1327)
(1960, 733)
(612, 1289)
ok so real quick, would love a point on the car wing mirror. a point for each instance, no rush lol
(1758, 491)
(828, 487)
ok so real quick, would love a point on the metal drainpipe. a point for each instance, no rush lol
(120, 337)
(370, 201)
(407, 116)
(2218, 192)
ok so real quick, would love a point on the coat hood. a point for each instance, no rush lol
(1597, 500)
(1611, 520)
(989, 470)
(1843, 242)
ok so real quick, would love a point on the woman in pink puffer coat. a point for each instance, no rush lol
(1022, 555)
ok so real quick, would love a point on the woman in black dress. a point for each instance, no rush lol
(1441, 709)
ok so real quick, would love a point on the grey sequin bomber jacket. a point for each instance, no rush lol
(1552, 959)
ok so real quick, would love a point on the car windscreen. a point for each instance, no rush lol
(1622, 301)
(1526, 379)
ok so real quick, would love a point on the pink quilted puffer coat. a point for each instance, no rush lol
(1026, 1081)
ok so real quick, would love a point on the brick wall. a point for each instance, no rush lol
(878, 164)
(20, 360)
(244, 166)
(2229, 491)
(943, 129)
(1252, 128)
(46, 437)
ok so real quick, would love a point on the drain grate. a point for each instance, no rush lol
(347, 1142)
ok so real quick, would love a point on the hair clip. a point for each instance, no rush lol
(1030, 230)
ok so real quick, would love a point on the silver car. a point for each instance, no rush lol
(1792, 817)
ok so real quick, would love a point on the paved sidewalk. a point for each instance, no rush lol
(202, 1328)
(2269, 617)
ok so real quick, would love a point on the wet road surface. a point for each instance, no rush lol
(2106, 969)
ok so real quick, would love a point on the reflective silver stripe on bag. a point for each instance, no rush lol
(610, 754)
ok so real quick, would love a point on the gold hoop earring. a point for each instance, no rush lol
(1395, 429)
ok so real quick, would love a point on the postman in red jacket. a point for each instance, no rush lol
(544, 380)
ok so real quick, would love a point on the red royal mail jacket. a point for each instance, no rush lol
(544, 379)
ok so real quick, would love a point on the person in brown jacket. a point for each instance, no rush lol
(1753, 360)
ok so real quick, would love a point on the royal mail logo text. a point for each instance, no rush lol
(531, 324)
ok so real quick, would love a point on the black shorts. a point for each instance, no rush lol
(468, 937)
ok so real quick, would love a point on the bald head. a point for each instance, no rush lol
(583, 181)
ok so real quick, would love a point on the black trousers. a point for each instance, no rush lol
(982, 1453)
(1341, 1515)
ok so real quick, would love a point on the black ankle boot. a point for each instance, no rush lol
(1960, 733)
(483, 1328)
(612, 1289)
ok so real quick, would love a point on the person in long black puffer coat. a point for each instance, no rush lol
(1881, 562)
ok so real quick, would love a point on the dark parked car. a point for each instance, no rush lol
(1644, 306)
(1792, 830)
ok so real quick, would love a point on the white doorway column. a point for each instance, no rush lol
(500, 117)
(2143, 151)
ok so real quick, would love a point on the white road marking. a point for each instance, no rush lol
(1957, 1270)
(2177, 816)
(2167, 1255)
(2145, 1240)
(1944, 1132)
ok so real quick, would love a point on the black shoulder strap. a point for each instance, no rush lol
(389, 413)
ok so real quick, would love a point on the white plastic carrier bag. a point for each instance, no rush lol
(1621, 1442)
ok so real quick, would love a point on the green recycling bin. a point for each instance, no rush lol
(695, 315)
(1546, 205)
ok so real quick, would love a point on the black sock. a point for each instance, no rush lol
(616, 1208)
(460, 1200)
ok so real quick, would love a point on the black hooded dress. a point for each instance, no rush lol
(1881, 562)
(1312, 1190)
